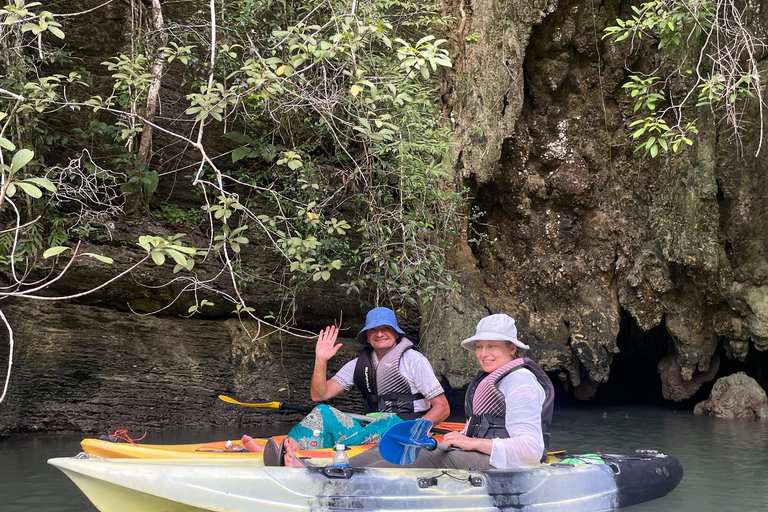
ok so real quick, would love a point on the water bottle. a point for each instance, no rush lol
(340, 458)
(229, 446)
(314, 442)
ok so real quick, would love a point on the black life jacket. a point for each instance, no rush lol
(485, 405)
(385, 389)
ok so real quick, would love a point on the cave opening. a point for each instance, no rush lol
(634, 378)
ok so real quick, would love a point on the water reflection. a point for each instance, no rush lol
(725, 461)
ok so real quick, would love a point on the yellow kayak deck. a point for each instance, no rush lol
(212, 450)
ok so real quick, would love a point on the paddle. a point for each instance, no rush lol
(282, 406)
(442, 428)
(402, 443)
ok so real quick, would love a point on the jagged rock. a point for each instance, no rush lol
(583, 232)
(94, 369)
(586, 389)
(735, 396)
(453, 319)
(673, 384)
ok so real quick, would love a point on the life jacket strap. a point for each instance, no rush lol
(379, 402)
(487, 426)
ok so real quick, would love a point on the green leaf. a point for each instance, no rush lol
(54, 251)
(30, 189)
(158, 257)
(20, 159)
(103, 259)
(240, 153)
(179, 258)
(55, 31)
(42, 182)
(6, 144)
(151, 181)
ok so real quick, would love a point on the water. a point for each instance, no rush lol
(725, 461)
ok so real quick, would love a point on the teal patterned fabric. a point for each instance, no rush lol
(337, 427)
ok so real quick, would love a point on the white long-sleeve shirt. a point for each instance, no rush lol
(524, 398)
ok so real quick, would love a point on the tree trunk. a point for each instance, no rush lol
(133, 201)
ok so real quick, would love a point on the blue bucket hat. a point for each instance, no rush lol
(375, 318)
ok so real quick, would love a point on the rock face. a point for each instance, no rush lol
(579, 231)
(674, 386)
(94, 369)
(735, 396)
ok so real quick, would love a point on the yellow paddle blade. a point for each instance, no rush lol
(268, 405)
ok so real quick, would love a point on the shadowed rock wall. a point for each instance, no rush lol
(95, 369)
(579, 230)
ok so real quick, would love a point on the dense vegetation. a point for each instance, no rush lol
(340, 150)
(705, 64)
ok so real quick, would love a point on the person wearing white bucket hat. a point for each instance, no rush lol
(495, 328)
(508, 407)
(509, 403)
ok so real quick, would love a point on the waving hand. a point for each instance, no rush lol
(326, 343)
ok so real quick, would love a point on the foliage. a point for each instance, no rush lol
(339, 154)
(707, 58)
(343, 130)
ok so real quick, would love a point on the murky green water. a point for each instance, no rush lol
(725, 461)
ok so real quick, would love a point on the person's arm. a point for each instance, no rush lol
(418, 371)
(322, 388)
(525, 445)
(477, 444)
(439, 411)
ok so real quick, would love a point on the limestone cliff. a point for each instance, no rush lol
(580, 231)
(579, 237)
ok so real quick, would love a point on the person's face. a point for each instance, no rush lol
(381, 338)
(493, 354)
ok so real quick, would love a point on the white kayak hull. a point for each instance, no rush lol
(130, 485)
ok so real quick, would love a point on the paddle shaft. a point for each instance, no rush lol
(282, 406)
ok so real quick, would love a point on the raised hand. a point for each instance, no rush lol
(326, 346)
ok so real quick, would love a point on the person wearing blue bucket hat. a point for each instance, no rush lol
(378, 317)
(393, 377)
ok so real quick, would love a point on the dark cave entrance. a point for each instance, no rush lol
(635, 380)
(633, 377)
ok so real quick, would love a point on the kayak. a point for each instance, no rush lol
(605, 482)
(212, 450)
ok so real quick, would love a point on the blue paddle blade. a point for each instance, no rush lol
(402, 442)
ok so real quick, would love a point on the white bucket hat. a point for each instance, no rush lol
(495, 327)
